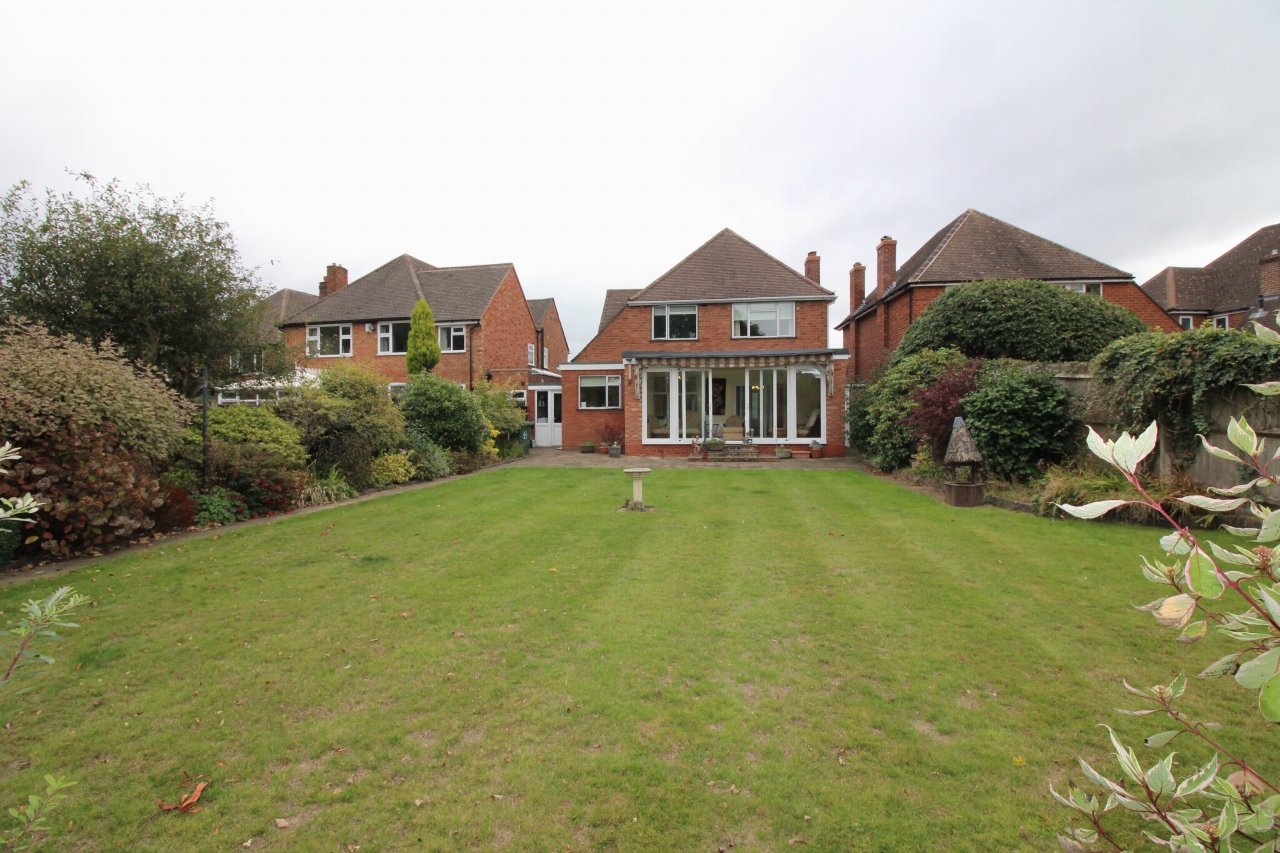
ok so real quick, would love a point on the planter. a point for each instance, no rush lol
(815, 452)
(800, 453)
(715, 449)
(963, 494)
(587, 448)
(783, 452)
(604, 448)
(615, 452)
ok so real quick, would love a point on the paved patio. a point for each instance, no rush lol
(550, 457)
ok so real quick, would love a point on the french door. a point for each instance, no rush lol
(771, 404)
(547, 418)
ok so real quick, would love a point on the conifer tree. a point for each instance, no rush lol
(424, 349)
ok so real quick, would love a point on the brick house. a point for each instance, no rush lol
(1242, 285)
(485, 326)
(730, 342)
(973, 247)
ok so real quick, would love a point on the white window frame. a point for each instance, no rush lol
(665, 312)
(533, 358)
(611, 381)
(545, 358)
(676, 406)
(1222, 322)
(453, 332)
(1187, 322)
(745, 309)
(385, 334)
(521, 398)
(1092, 288)
(344, 340)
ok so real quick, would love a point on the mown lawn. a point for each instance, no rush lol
(507, 662)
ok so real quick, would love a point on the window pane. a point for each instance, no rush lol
(657, 404)
(694, 383)
(329, 340)
(739, 321)
(764, 325)
(615, 396)
(659, 321)
(541, 403)
(591, 392)
(399, 337)
(782, 403)
(786, 319)
(808, 403)
(683, 323)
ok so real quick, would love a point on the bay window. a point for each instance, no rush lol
(764, 320)
(599, 392)
(329, 341)
(675, 322)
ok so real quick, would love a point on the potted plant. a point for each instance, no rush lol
(815, 449)
(714, 445)
(782, 452)
(615, 451)
(587, 447)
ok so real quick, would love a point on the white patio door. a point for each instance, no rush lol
(547, 418)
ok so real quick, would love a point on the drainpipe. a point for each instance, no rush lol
(471, 350)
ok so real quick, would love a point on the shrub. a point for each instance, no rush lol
(443, 413)
(878, 414)
(1020, 419)
(220, 506)
(374, 413)
(325, 488)
(500, 410)
(256, 476)
(59, 385)
(432, 461)
(1020, 319)
(179, 509)
(391, 469)
(1082, 482)
(1173, 379)
(94, 491)
(260, 427)
(611, 434)
(331, 430)
(936, 406)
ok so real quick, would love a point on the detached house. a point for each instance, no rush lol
(1242, 285)
(486, 327)
(730, 342)
(973, 247)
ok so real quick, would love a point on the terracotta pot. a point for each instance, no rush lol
(815, 452)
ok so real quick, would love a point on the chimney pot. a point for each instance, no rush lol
(813, 268)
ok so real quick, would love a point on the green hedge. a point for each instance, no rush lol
(1020, 319)
(1020, 419)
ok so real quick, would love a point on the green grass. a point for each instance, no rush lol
(771, 655)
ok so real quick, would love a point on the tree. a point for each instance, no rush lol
(424, 348)
(164, 282)
(1019, 318)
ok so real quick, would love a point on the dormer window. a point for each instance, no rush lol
(675, 322)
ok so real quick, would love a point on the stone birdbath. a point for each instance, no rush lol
(962, 452)
(637, 487)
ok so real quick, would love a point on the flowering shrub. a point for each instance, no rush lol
(391, 469)
(1204, 811)
(93, 492)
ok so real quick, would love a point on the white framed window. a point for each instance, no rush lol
(329, 341)
(521, 399)
(1187, 322)
(1220, 323)
(453, 338)
(675, 322)
(532, 361)
(545, 359)
(395, 388)
(393, 338)
(599, 392)
(1091, 289)
(764, 320)
(772, 405)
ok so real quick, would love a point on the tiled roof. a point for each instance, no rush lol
(977, 247)
(729, 267)
(539, 308)
(280, 305)
(390, 291)
(1229, 283)
(614, 302)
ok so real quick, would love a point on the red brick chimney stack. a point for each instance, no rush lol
(886, 263)
(857, 286)
(1270, 279)
(335, 278)
(812, 268)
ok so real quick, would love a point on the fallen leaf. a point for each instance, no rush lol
(340, 750)
(188, 803)
(795, 841)
(281, 823)
(418, 802)
(248, 843)
(326, 531)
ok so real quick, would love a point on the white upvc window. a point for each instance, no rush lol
(599, 392)
(764, 320)
(1187, 322)
(675, 322)
(329, 341)
(521, 399)
(532, 359)
(545, 359)
(453, 338)
(1221, 323)
(1090, 289)
(393, 338)
(772, 405)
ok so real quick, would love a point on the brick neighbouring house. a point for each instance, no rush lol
(973, 247)
(485, 325)
(1242, 285)
(729, 340)
(544, 390)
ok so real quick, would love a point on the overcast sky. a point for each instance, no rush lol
(595, 145)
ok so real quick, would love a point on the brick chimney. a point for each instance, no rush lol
(813, 268)
(335, 278)
(886, 263)
(857, 286)
(1269, 282)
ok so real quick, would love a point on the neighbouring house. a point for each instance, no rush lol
(973, 247)
(276, 309)
(1242, 285)
(544, 406)
(729, 343)
(485, 325)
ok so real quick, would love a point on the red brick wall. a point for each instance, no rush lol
(554, 340)
(1129, 295)
(502, 339)
(364, 351)
(579, 425)
(632, 330)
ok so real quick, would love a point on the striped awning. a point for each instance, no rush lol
(824, 361)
